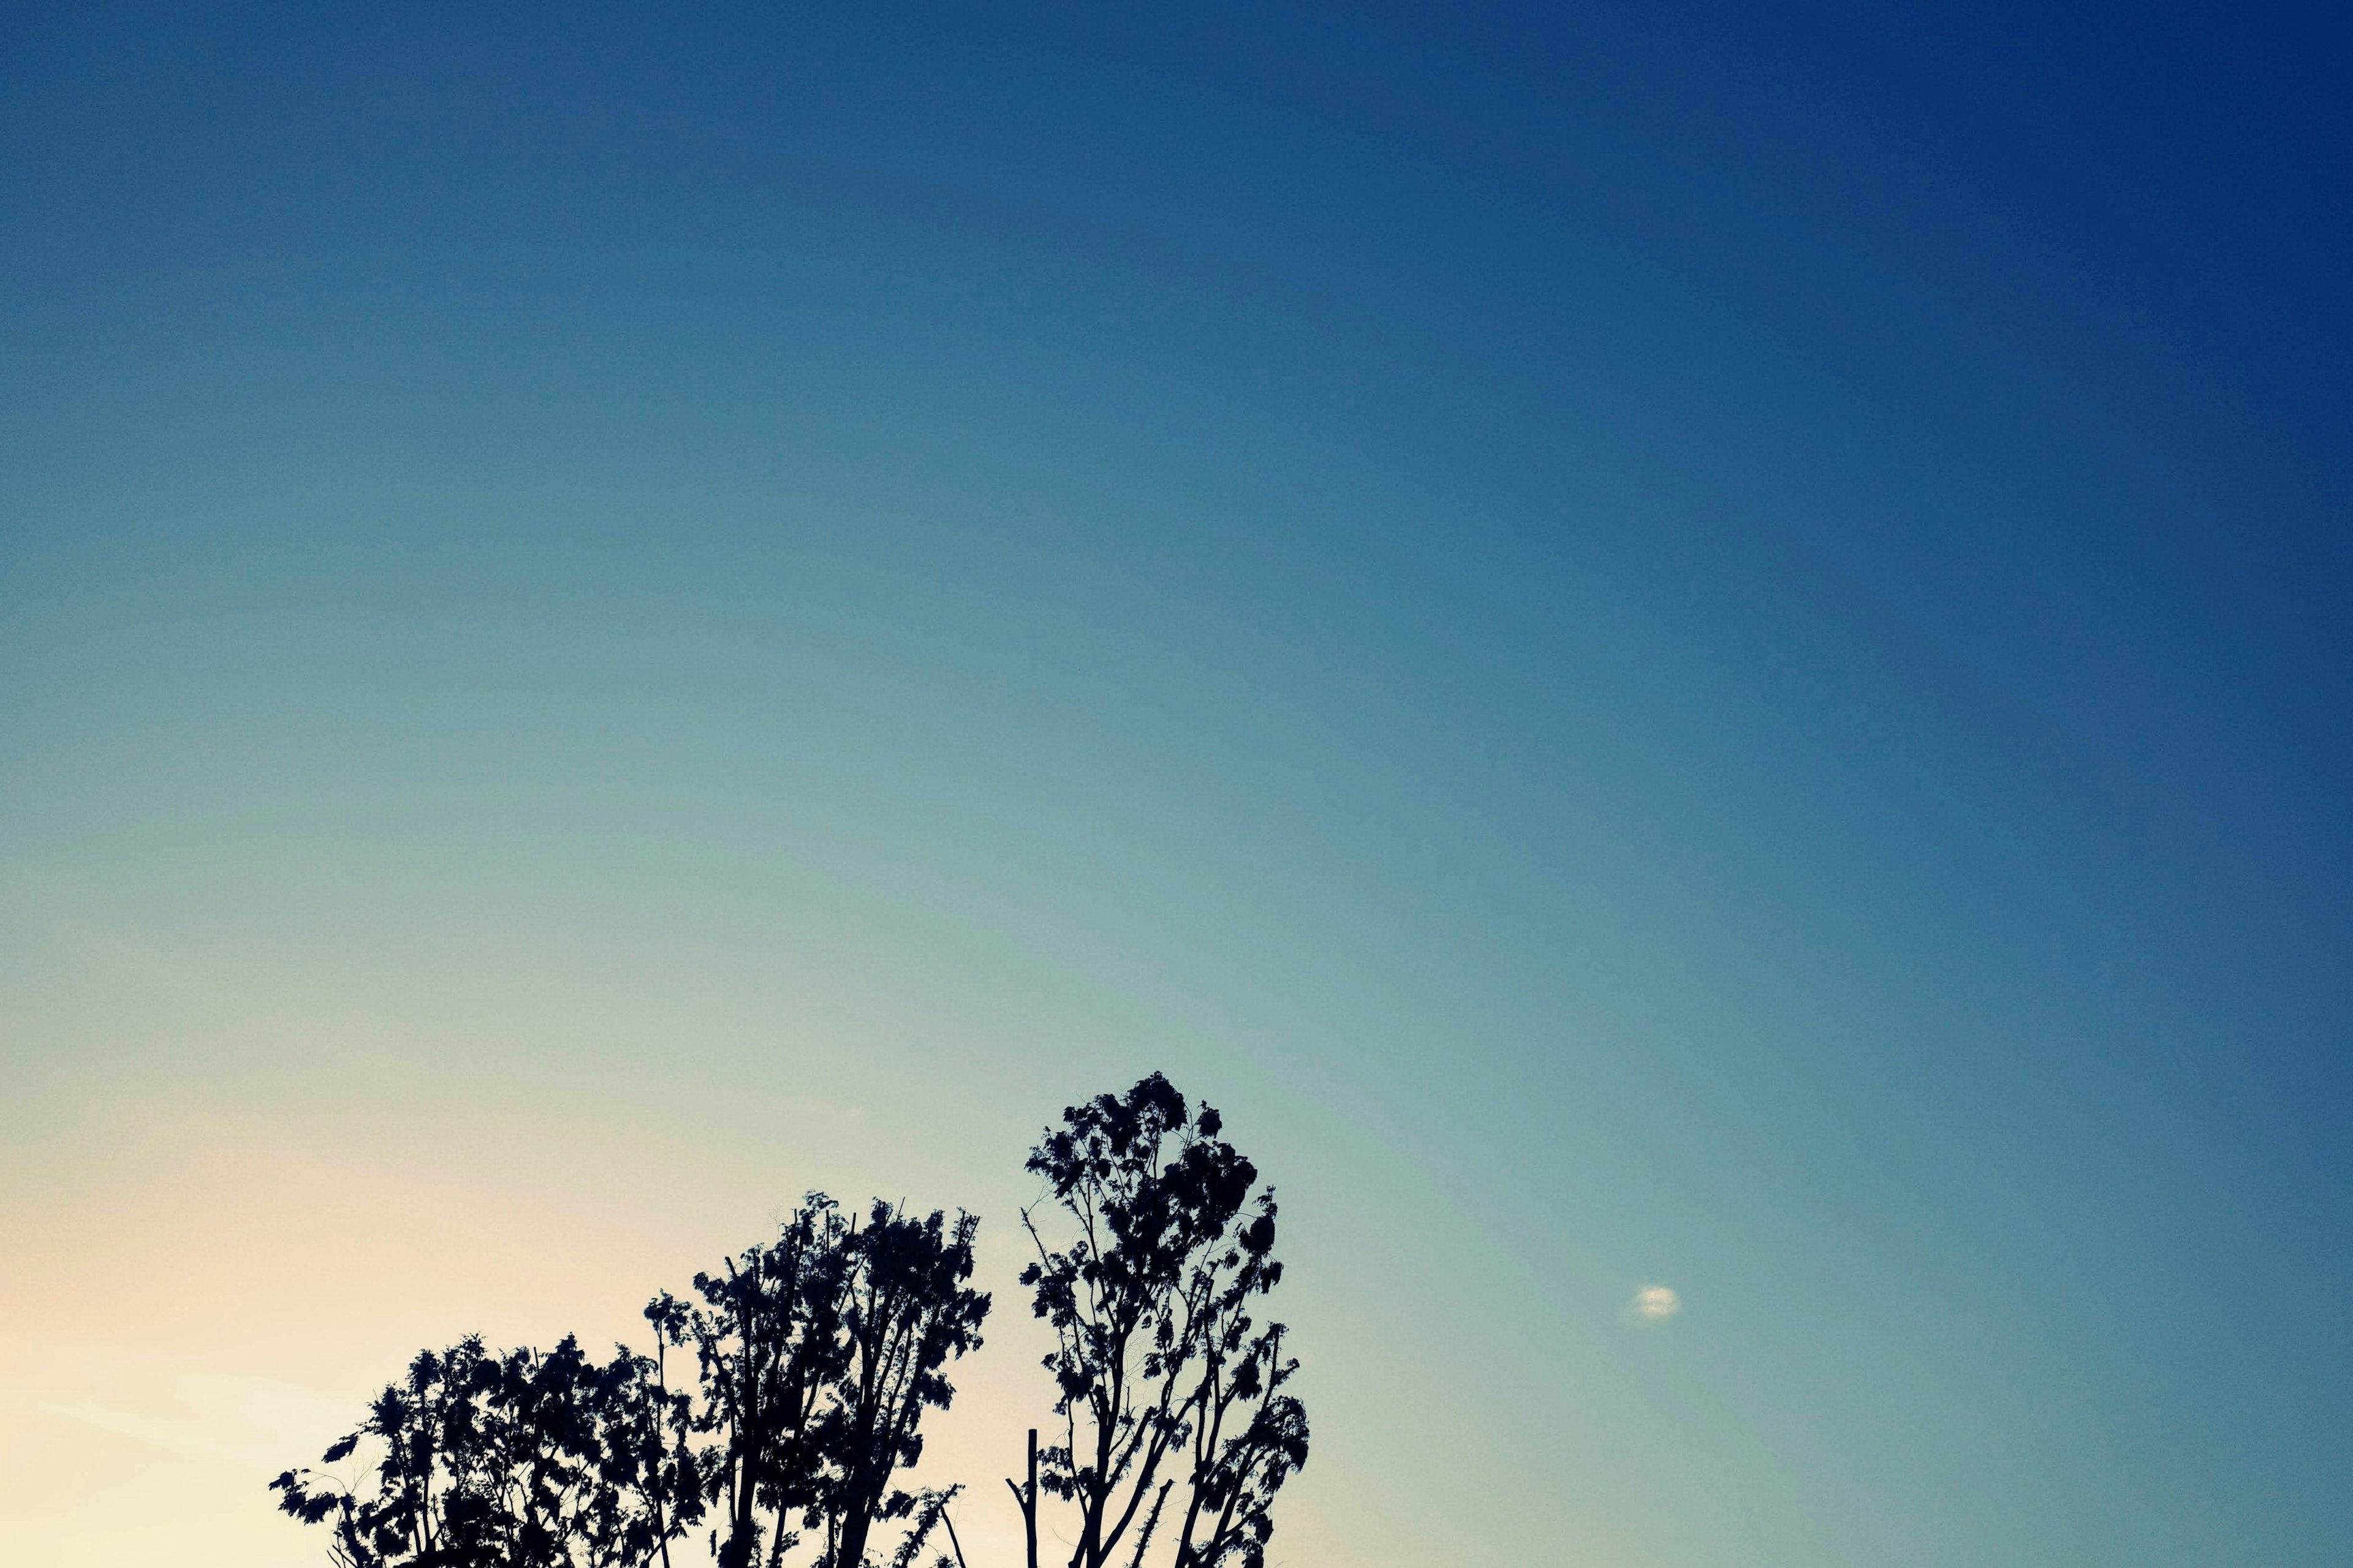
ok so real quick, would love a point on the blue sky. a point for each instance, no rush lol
(1665, 647)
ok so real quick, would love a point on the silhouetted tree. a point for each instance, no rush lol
(813, 1360)
(908, 1312)
(651, 1469)
(1152, 1250)
(768, 1338)
(487, 1461)
(816, 1357)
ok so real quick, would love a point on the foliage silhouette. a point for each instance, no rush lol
(785, 1393)
(909, 1313)
(768, 1339)
(1151, 1250)
(815, 1358)
(525, 1460)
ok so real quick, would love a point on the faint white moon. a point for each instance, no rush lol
(1656, 1303)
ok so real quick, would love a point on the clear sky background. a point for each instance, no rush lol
(1664, 645)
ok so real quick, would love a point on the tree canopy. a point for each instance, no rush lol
(1153, 1244)
(779, 1414)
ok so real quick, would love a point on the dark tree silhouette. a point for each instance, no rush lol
(909, 1310)
(818, 1356)
(814, 1359)
(506, 1460)
(652, 1473)
(768, 1339)
(1151, 1247)
(785, 1395)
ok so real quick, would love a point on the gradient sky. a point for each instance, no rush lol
(1665, 647)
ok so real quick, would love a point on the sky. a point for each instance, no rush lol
(1693, 659)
